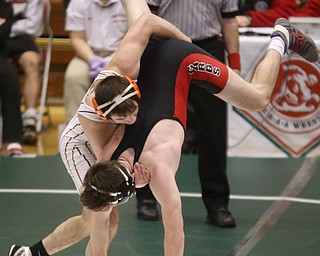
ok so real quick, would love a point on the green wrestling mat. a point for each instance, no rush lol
(276, 203)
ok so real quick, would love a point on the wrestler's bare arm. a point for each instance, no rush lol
(111, 144)
(134, 9)
(161, 155)
(126, 60)
(98, 133)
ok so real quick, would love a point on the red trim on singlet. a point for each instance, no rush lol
(200, 67)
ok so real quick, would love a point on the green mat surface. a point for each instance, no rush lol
(256, 186)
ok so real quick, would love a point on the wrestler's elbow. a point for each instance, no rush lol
(148, 19)
(260, 104)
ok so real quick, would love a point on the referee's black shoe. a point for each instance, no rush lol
(148, 210)
(222, 218)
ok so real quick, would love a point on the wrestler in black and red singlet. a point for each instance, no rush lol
(167, 68)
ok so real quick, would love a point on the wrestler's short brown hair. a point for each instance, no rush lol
(106, 183)
(108, 88)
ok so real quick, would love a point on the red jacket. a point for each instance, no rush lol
(278, 9)
(311, 9)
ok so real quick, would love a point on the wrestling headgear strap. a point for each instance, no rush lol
(126, 188)
(116, 100)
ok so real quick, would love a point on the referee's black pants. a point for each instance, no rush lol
(211, 122)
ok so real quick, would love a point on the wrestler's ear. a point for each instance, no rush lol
(81, 189)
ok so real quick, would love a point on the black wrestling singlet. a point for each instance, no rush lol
(167, 68)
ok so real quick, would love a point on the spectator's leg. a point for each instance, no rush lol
(76, 83)
(30, 62)
(10, 108)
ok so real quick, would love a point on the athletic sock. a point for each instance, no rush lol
(38, 249)
(278, 45)
(30, 112)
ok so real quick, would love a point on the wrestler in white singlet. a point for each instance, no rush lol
(75, 149)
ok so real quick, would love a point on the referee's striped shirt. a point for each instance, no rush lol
(198, 19)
